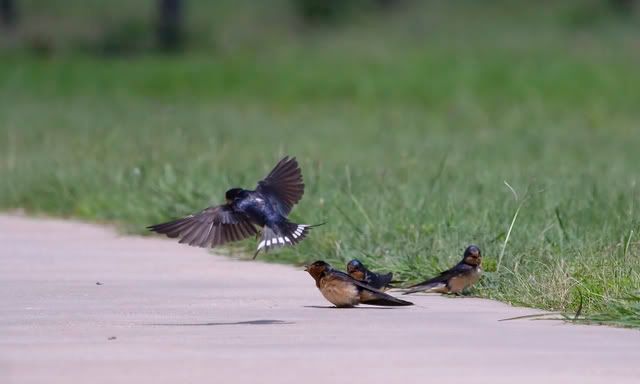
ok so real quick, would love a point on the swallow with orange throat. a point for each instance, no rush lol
(266, 207)
(344, 291)
(463, 275)
(357, 270)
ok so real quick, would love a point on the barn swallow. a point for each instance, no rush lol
(343, 291)
(358, 271)
(266, 207)
(463, 275)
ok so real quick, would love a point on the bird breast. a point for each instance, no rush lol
(339, 293)
(358, 275)
(458, 283)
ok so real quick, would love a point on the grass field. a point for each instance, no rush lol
(417, 136)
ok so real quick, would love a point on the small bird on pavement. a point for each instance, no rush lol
(463, 275)
(343, 291)
(266, 207)
(358, 271)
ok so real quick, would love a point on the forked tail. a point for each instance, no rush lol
(281, 235)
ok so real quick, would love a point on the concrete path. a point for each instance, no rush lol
(168, 313)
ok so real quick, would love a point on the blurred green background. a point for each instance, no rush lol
(409, 119)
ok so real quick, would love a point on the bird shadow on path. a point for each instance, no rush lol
(248, 322)
(334, 307)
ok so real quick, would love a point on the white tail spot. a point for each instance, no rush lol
(261, 244)
(287, 239)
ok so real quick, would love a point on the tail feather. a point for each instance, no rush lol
(285, 234)
(388, 303)
(296, 232)
(430, 287)
(380, 298)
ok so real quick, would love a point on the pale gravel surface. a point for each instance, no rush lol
(181, 315)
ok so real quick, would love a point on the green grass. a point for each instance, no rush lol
(406, 142)
(622, 313)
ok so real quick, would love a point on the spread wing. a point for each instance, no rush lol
(208, 228)
(283, 185)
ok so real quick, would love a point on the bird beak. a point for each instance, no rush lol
(306, 268)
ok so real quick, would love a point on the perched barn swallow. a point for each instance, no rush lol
(463, 275)
(343, 291)
(358, 271)
(266, 207)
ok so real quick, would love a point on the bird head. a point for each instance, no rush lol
(317, 268)
(233, 194)
(472, 255)
(355, 266)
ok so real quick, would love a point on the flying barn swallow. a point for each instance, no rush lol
(463, 275)
(266, 207)
(358, 271)
(343, 291)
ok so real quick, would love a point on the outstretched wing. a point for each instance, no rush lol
(283, 185)
(208, 228)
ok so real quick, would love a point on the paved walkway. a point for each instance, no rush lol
(168, 313)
